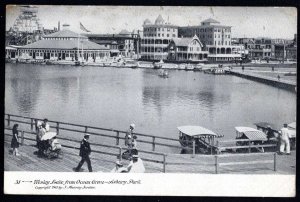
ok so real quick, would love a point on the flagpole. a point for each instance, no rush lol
(78, 47)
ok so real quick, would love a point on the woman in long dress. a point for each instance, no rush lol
(15, 140)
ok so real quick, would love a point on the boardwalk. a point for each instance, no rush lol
(176, 163)
(285, 84)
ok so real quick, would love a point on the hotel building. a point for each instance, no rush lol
(216, 38)
(156, 38)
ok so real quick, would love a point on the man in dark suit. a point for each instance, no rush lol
(85, 151)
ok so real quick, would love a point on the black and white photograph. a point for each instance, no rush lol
(117, 96)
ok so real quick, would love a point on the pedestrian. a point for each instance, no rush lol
(284, 140)
(243, 67)
(273, 68)
(136, 165)
(129, 134)
(278, 77)
(40, 143)
(38, 132)
(15, 140)
(47, 126)
(119, 168)
(129, 138)
(85, 151)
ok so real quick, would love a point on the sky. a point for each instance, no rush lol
(274, 22)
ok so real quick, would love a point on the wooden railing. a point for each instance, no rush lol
(118, 154)
(58, 126)
(234, 163)
(248, 146)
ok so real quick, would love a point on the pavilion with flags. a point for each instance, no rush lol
(64, 45)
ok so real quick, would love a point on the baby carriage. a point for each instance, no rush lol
(50, 147)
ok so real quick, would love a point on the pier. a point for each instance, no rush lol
(279, 83)
(104, 155)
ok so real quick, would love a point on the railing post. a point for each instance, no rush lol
(22, 137)
(86, 129)
(35, 124)
(153, 143)
(194, 147)
(216, 164)
(8, 120)
(275, 163)
(164, 166)
(218, 150)
(120, 153)
(249, 149)
(31, 124)
(57, 128)
(118, 138)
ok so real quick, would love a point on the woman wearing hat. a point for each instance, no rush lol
(15, 140)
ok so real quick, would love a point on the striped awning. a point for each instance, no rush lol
(255, 135)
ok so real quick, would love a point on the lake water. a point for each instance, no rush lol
(115, 97)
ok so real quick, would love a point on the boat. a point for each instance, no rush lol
(255, 137)
(163, 74)
(290, 74)
(158, 65)
(204, 138)
(292, 134)
(198, 67)
(78, 63)
(189, 67)
(130, 63)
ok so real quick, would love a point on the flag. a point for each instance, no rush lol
(83, 28)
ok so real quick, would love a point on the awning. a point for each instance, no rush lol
(255, 135)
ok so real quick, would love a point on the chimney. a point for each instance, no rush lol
(58, 27)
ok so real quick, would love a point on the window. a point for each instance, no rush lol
(158, 35)
(174, 35)
(168, 29)
(198, 49)
(167, 35)
(219, 36)
(158, 29)
(215, 43)
(162, 35)
(225, 42)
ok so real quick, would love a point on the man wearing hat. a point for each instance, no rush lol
(284, 140)
(119, 168)
(136, 165)
(85, 151)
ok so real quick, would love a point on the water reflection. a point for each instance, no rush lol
(115, 97)
(26, 94)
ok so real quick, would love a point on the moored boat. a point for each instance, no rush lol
(202, 138)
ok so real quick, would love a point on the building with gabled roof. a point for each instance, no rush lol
(216, 39)
(187, 50)
(63, 45)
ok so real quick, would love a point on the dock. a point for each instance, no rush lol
(104, 156)
(279, 83)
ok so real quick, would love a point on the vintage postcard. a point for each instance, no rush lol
(150, 100)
